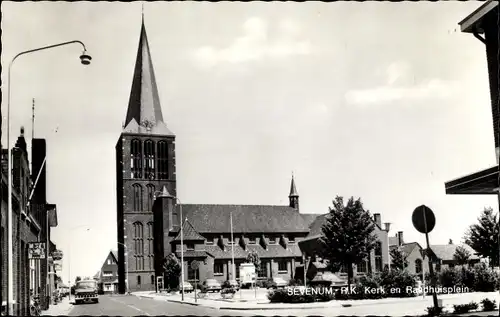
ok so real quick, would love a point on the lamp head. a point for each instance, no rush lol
(85, 59)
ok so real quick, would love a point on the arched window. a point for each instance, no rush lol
(153, 279)
(378, 257)
(138, 194)
(138, 280)
(150, 189)
(151, 245)
(139, 245)
(162, 160)
(149, 159)
(136, 159)
(418, 266)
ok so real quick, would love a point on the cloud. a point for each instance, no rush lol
(398, 88)
(255, 45)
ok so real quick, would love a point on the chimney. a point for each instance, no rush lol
(450, 242)
(400, 238)
(38, 153)
(377, 219)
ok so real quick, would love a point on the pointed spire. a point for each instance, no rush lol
(293, 189)
(144, 113)
(165, 193)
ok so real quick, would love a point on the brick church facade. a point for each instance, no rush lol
(149, 229)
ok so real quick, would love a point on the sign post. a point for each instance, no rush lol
(195, 265)
(424, 221)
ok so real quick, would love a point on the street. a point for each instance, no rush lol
(121, 305)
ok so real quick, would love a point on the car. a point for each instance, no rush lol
(188, 287)
(231, 284)
(211, 285)
(86, 291)
(277, 282)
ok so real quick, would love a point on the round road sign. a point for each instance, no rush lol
(423, 219)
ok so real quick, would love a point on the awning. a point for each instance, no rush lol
(484, 182)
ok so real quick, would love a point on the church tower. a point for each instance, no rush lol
(294, 195)
(145, 163)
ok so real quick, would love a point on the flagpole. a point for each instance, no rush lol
(232, 244)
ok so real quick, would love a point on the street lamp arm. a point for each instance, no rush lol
(45, 48)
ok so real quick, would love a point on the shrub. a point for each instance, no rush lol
(465, 308)
(485, 279)
(434, 311)
(397, 282)
(449, 278)
(488, 305)
(468, 278)
(294, 282)
(228, 290)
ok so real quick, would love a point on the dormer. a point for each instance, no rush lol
(243, 242)
(220, 243)
(284, 241)
(263, 242)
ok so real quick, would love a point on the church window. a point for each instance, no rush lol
(138, 280)
(150, 245)
(149, 160)
(136, 159)
(162, 160)
(150, 189)
(139, 245)
(137, 197)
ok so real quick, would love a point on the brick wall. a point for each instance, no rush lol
(126, 216)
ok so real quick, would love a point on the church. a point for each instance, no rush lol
(146, 169)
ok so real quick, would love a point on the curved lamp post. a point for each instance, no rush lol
(85, 60)
(126, 266)
(162, 194)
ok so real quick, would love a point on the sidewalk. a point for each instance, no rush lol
(61, 309)
(448, 301)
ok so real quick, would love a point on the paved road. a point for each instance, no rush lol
(119, 305)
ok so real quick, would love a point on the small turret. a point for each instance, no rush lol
(294, 196)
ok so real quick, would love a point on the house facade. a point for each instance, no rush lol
(30, 223)
(418, 263)
(107, 277)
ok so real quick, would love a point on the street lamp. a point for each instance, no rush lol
(126, 265)
(69, 258)
(166, 194)
(85, 60)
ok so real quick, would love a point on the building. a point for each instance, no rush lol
(146, 167)
(108, 275)
(29, 225)
(483, 24)
(310, 247)
(418, 263)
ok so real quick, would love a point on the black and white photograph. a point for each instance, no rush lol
(250, 158)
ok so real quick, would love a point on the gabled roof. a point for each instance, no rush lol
(189, 233)
(246, 218)
(309, 218)
(144, 113)
(407, 248)
(446, 252)
(114, 253)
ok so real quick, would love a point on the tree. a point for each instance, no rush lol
(253, 257)
(461, 255)
(347, 235)
(483, 237)
(171, 271)
(398, 258)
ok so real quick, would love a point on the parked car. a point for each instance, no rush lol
(188, 287)
(231, 284)
(86, 290)
(277, 282)
(211, 285)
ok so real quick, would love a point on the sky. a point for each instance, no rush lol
(382, 101)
